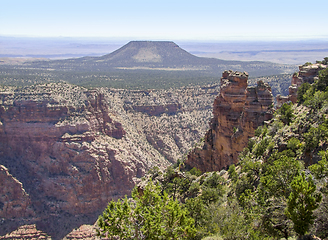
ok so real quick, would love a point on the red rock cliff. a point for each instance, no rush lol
(63, 157)
(238, 110)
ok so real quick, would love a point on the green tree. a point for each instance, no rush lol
(302, 201)
(286, 113)
(274, 190)
(232, 173)
(322, 83)
(195, 171)
(148, 215)
(115, 220)
(301, 92)
(314, 137)
(317, 100)
(320, 172)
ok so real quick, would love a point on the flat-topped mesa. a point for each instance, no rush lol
(237, 111)
(307, 73)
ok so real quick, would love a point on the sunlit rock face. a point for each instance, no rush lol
(237, 111)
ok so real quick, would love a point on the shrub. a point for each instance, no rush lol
(322, 82)
(286, 113)
(301, 92)
(302, 201)
(151, 215)
(195, 171)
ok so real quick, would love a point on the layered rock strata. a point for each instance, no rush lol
(172, 120)
(26, 232)
(237, 111)
(308, 73)
(66, 151)
(64, 154)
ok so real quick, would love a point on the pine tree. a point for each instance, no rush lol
(302, 201)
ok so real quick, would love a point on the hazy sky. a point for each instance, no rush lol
(166, 20)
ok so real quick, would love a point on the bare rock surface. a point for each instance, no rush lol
(70, 154)
(84, 232)
(238, 110)
(66, 151)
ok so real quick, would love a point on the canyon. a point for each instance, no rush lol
(66, 151)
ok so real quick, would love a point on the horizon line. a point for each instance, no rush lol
(132, 38)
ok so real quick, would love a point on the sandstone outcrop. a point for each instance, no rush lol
(237, 111)
(84, 232)
(31, 232)
(308, 73)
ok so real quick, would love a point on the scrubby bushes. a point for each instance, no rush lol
(278, 189)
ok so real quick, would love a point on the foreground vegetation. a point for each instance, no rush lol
(278, 189)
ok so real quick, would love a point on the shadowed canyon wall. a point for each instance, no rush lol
(66, 151)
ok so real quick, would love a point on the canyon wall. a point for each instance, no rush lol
(66, 151)
(173, 121)
(237, 111)
(65, 154)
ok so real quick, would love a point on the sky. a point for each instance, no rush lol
(166, 20)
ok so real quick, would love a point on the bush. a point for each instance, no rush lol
(261, 147)
(195, 171)
(301, 92)
(286, 113)
(317, 100)
(151, 215)
(322, 83)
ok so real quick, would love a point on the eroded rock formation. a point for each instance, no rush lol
(237, 111)
(65, 155)
(307, 73)
(66, 151)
